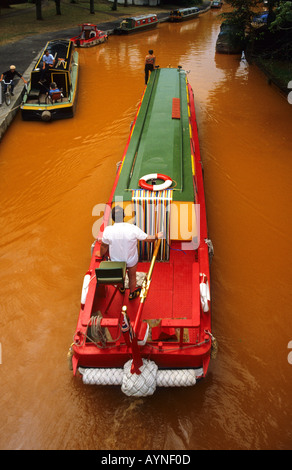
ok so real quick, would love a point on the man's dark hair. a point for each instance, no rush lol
(118, 214)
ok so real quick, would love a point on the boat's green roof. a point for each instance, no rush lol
(160, 143)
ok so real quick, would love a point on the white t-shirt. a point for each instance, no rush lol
(122, 240)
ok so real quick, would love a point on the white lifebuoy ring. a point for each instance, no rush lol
(205, 296)
(155, 187)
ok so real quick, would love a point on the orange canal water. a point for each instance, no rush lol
(52, 176)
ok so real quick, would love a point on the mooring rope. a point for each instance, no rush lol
(98, 334)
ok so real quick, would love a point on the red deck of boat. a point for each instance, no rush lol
(173, 293)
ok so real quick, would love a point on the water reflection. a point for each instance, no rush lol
(48, 192)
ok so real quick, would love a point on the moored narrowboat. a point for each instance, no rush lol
(161, 338)
(183, 14)
(89, 36)
(134, 24)
(229, 40)
(39, 103)
(216, 4)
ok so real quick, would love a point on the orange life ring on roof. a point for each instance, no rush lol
(155, 187)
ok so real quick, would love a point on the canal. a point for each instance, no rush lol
(53, 176)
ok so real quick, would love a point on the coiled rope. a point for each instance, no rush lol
(97, 334)
(214, 344)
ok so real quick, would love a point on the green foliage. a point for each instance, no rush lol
(283, 18)
(241, 15)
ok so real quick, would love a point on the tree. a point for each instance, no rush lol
(4, 4)
(271, 8)
(241, 15)
(115, 5)
(92, 7)
(58, 7)
(38, 6)
(280, 30)
(283, 17)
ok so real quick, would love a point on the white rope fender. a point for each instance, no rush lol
(101, 376)
(143, 384)
(177, 378)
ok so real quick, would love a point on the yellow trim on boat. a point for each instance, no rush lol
(193, 164)
(49, 107)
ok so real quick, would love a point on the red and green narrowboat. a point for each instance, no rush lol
(135, 24)
(163, 338)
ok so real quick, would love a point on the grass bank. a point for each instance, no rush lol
(277, 71)
(20, 20)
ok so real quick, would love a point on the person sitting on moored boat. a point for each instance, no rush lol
(120, 240)
(54, 88)
(54, 92)
(48, 63)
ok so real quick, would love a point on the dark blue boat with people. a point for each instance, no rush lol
(39, 103)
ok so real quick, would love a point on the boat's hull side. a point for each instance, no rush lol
(83, 43)
(48, 113)
(178, 19)
(136, 29)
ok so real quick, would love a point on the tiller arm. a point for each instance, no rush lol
(137, 360)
